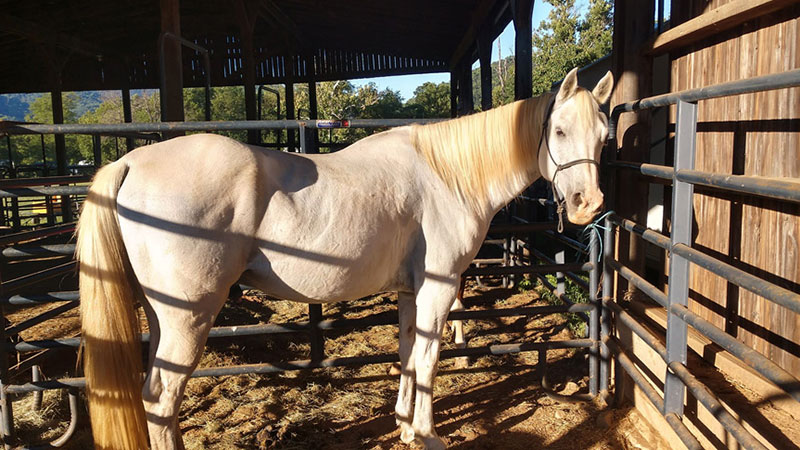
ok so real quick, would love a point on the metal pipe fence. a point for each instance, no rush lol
(23, 247)
(683, 177)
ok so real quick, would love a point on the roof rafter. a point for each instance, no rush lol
(39, 33)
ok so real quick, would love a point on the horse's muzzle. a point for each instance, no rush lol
(582, 207)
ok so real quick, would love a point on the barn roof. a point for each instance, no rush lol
(102, 44)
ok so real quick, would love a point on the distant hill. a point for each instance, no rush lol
(16, 106)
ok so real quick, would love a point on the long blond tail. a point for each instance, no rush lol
(110, 327)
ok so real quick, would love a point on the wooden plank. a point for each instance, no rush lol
(719, 19)
(479, 16)
(39, 33)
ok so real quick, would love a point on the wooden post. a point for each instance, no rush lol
(172, 90)
(290, 134)
(485, 56)
(465, 88)
(633, 24)
(247, 22)
(453, 93)
(61, 144)
(127, 116)
(523, 76)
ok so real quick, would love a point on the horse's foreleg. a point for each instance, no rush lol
(183, 331)
(405, 397)
(434, 300)
(457, 326)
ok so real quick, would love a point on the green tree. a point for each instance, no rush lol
(565, 40)
(430, 100)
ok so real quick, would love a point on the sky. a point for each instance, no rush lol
(407, 83)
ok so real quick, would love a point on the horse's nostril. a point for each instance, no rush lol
(577, 199)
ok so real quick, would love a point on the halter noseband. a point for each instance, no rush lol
(560, 202)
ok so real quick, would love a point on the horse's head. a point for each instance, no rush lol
(569, 153)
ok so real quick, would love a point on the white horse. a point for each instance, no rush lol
(175, 224)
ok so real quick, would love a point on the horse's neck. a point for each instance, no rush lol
(487, 158)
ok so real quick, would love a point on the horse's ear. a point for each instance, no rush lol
(602, 92)
(569, 86)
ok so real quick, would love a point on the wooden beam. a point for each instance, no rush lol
(523, 74)
(39, 33)
(172, 91)
(276, 17)
(246, 16)
(712, 22)
(485, 56)
(479, 16)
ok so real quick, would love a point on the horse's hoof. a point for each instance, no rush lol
(433, 443)
(406, 433)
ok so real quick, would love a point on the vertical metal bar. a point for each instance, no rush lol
(594, 316)
(681, 233)
(317, 342)
(505, 260)
(512, 259)
(605, 314)
(290, 115)
(6, 411)
(560, 280)
(36, 375)
(302, 134)
(97, 151)
(16, 220)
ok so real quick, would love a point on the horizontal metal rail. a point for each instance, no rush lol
(787, 189)
(336, 324)
(710, 401)
(782, 296)
(37, 277)
(43, 191)
(231, 125)
(638, 281)
(40, 251)
(651, 170)
(649, 235)
(498, 349)
(782, 80)
(27, 236)
(33, 321)
(628, 320)
(776, 188)
(43, 181)
(760, 363)
(650, 392)
(515, 270)
(583, 284)
(38, 299)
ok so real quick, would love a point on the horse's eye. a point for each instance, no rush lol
(559, 132)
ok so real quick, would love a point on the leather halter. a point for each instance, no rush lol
(559, 201)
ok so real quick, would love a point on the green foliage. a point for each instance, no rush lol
(573, 292)
(502, 83)
(430, 100)
(565, 41)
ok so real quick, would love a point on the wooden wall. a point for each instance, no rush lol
(755, 134)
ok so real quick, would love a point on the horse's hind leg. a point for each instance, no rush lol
(404, 409)
(182, 328)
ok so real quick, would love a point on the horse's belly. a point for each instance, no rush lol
(341, 271)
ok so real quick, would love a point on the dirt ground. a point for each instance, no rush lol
(496, 402)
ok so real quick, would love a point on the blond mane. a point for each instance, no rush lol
(487, 152)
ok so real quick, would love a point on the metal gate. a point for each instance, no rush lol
(678, 244)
